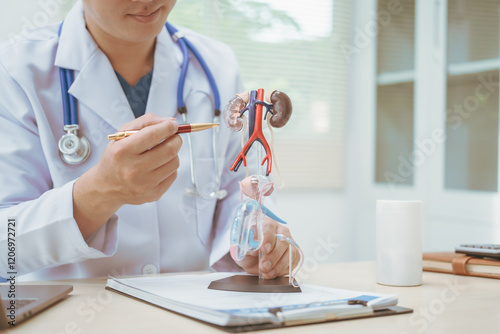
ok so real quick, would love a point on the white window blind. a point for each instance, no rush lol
(292, 46)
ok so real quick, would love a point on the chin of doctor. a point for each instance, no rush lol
(128, 21)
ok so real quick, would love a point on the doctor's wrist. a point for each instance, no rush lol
(93, 205)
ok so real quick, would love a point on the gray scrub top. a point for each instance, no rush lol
(137, 96)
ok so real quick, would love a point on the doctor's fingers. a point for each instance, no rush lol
(157, 192)
(269, 230)
(147, 185)
(272, 254)
(250, 263)
(149, 190)
(163, 172)
(280, 267)
(162, 154)
(150, 136)
(269, 261)
(144, 121)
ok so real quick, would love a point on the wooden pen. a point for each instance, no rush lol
(183, 128)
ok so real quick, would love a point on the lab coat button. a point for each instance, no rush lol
(149, 269)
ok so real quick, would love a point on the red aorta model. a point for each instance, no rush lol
(255, 133)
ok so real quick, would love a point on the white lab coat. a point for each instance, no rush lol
(176, 233)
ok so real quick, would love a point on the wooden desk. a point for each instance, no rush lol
(443, 304)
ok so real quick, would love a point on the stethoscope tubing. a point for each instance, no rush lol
(65, 97)
(182, 78)
(69, 102)
(208, 73)
(70, 75)
(186, 46)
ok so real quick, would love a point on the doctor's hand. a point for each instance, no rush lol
(275, 253)
(134, 170)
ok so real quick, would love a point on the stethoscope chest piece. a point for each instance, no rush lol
(72, 148)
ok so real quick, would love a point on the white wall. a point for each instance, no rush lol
(319, 222)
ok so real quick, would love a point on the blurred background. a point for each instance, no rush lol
(393, 99)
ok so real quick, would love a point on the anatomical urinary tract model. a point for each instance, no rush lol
(280, 108)
(247, 228)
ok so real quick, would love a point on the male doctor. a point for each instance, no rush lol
(124, 210)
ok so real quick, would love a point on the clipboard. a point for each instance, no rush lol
(233, 312)
(392, 310)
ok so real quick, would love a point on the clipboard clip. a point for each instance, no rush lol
(275, 310)
(319, 312)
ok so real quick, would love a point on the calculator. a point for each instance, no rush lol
(479, 250)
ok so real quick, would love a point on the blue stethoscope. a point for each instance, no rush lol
(74, 148)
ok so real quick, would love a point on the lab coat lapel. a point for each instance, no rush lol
(98, 88)
(168, 59)
(76, 46)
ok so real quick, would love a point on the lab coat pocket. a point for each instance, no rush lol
(206, 182)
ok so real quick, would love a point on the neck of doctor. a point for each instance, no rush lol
(131, 60)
